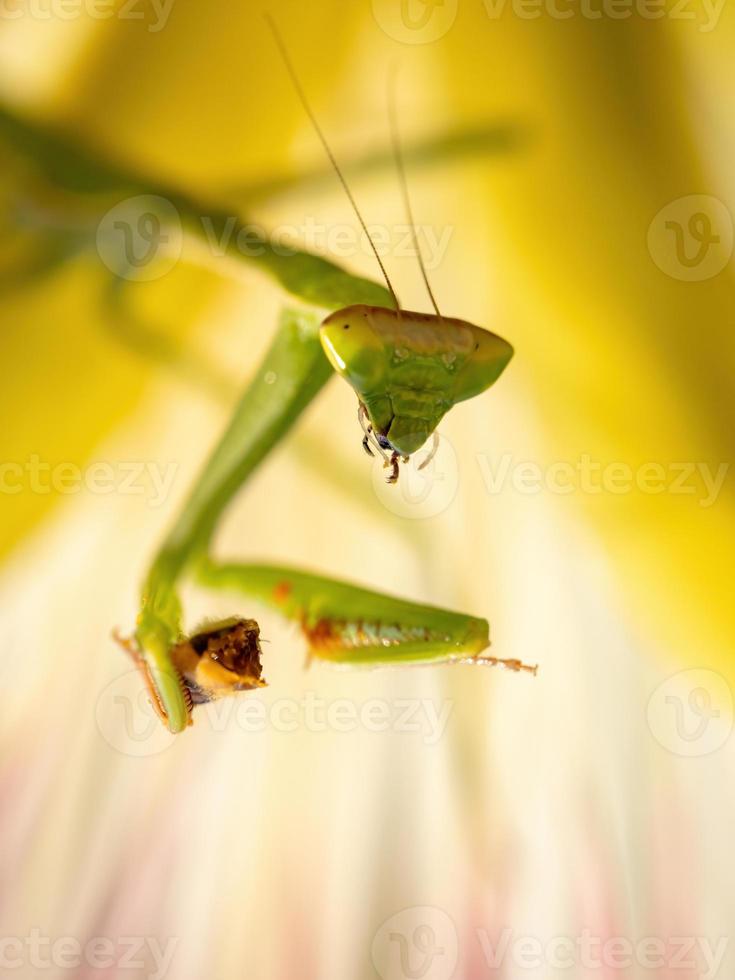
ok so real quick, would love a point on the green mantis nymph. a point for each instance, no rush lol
(69, 189)
(406, 368)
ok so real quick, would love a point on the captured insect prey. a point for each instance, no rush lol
(218, 659)
(407, 369)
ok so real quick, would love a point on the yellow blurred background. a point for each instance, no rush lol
(584, 506)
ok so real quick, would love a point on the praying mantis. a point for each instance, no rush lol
(64, 188)
(407, 370)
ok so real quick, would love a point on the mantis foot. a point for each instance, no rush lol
(432, 452)
(393, 478)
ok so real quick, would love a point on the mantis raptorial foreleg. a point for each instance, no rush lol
(293, 371)
(346, 623)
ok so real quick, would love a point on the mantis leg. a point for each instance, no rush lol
(298, 370)
(432, 452)
(348, 624)
(366, 428)
(369, 437)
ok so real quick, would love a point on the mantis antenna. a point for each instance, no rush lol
(310, 113)
(396, 141)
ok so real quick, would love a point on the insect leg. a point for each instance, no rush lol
(393, 478)
(515, 665)
(376, 443)
(132, 649)
(366, 428)
(370, 438)
(432, 451)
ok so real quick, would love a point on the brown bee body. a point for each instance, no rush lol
(221, 659)
(216, 660)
